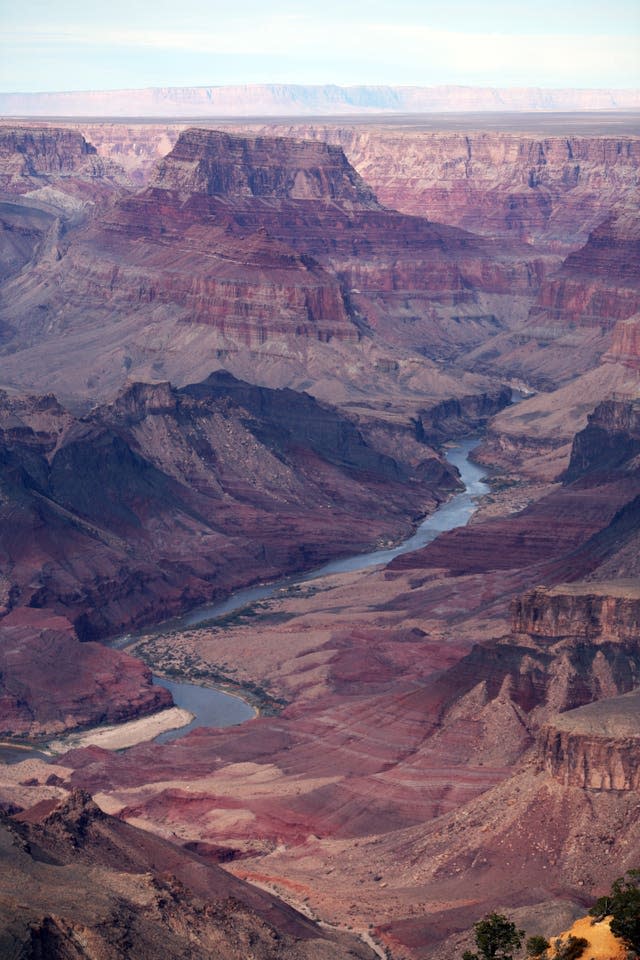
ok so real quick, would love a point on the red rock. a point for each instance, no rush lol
(53, 163)
(93, 684)
(30, 157)
(191, 906)
(549, 191)
(596, 747)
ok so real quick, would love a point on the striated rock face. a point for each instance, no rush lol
(412, 704)
(596, 613)
(609, 442)
(625, 346)
(409, 697)
(30, 156)
(242, 241)
(568, 645)
(596, 747)
(548, 191)
(599, 283)
(55, 165)
(217, 163)
(569, 328)
(49, 176)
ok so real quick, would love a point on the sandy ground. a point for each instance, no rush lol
(602, 943)
(123, 735)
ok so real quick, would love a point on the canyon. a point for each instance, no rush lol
(229, 355)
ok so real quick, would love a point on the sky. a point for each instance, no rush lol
(74, 45)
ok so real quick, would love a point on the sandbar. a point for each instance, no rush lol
(122, 735)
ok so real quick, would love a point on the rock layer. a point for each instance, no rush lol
(596, 747)
(548, 191)
(240, 242)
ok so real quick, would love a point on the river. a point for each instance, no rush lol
(454, 513)
(212, 707)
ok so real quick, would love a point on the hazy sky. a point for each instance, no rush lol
(80, 45)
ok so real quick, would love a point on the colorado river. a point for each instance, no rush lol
(454, 513)
(212, 707)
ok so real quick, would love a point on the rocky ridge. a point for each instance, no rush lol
(93, 684)
(222, 463)
(149, 898)
(285, 169)
(444, 751)
(596, 746)
(50, 163)
(166, 498)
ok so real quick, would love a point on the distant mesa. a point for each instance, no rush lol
(307, 100)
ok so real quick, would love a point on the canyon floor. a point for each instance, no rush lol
(228, 356)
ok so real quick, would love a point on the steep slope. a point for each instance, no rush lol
(458, 729)
(93, 684)
(550, 191)
(149, 898)
(50, 178)
(109, 507)
(40, 162)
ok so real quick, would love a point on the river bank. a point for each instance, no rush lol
(175, 649)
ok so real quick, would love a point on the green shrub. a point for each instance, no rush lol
(623, 905)
(496, 939)
(537, 945)
(570, 949)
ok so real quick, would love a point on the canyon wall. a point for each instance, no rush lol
(596, 747)
(255, 241)
(214, 162)
(28, 154)
(609, 442)
(585, 613)
(403, 763)
(37, 160)
(247, 473)
(548, 191)
(625, 346)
